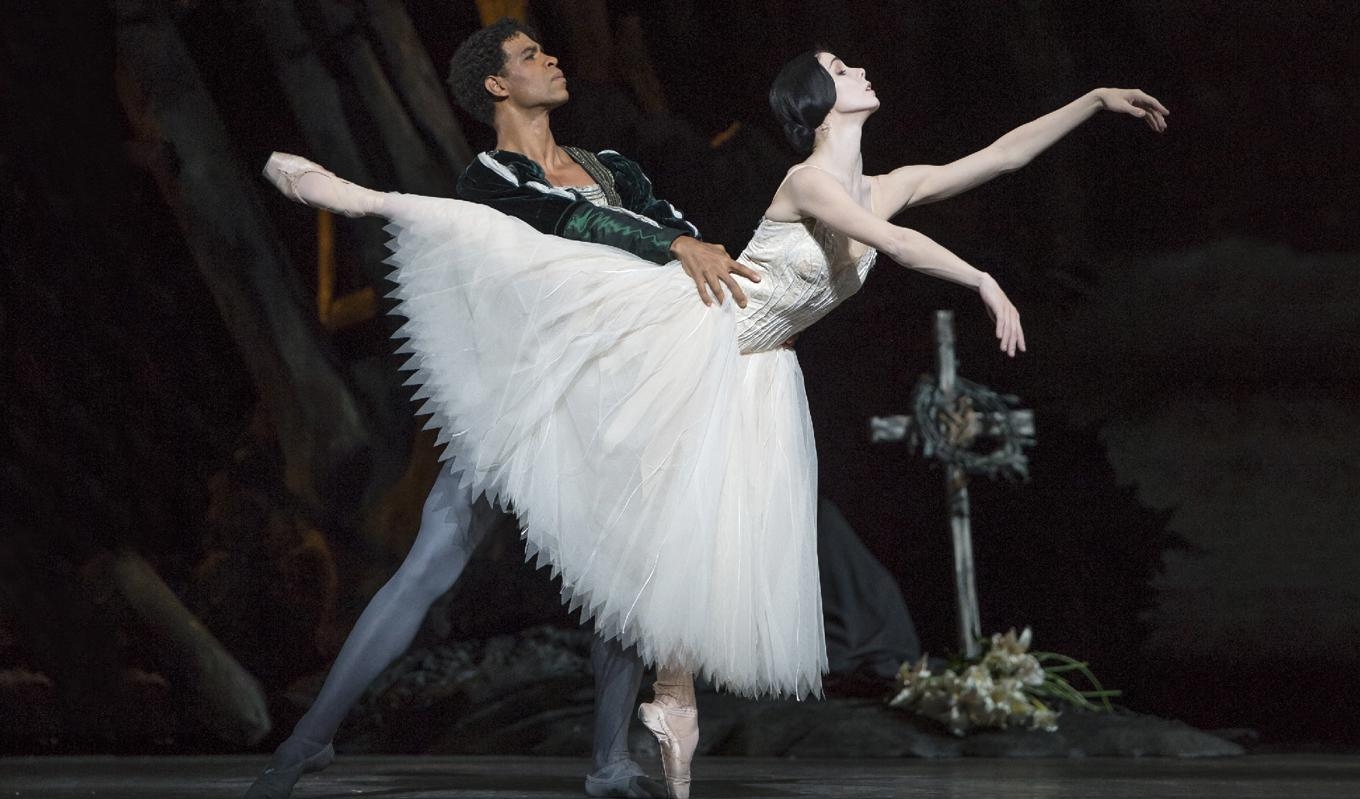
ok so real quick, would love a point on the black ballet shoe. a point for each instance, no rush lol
(277, 781)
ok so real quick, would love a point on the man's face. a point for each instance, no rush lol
(530, 78)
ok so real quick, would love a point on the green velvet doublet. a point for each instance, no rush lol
(636, 220)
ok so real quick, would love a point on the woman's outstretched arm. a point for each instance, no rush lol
(814, 193)
(918, 184)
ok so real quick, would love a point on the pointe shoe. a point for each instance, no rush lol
(285, 170)
(677, 731)
(277, 781)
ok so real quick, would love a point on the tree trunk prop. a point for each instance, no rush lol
(416, 170)
(322, 427)
(416, 81)
(223, 696)
(316, 103)
(636, 65)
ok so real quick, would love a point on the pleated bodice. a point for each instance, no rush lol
(806, 270)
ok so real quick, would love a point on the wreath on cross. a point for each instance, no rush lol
(947, 429)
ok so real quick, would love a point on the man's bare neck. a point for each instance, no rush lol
(530, 135)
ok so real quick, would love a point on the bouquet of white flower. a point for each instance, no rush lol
(1005, 687)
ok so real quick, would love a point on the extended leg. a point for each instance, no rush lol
(618, 675)
(449, 532)
(311, 184)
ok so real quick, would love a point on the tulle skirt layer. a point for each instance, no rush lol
(667, 478)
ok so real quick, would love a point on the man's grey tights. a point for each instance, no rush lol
(450, 529)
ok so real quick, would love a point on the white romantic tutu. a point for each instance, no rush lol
(669, 479)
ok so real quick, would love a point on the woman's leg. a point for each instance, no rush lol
(674, 688)
(302, 181)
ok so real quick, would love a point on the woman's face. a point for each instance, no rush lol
(854, 93)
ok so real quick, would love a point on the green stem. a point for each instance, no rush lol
(1072, 664)
(1056, 691)
(1062, 688)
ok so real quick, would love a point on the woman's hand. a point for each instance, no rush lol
(1135, 103)
(1006, 316)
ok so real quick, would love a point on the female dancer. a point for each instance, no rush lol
(658, 452)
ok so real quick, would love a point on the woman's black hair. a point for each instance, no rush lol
(801, 96)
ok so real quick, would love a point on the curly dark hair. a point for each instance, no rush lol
(478, 56)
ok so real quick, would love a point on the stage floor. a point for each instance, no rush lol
(1274, 776)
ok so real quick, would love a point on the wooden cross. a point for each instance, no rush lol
(951, 415)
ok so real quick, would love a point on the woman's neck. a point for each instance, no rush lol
(838, 149)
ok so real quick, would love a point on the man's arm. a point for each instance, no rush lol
(514, 185)
(708, 265)
(635, 191)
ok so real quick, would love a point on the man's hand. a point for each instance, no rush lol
(709, 266)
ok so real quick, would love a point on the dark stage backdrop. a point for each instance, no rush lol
(1189, 299)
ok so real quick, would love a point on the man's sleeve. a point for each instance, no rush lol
(518, 190)
(635, 190)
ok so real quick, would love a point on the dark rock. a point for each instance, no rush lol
(28, 705)
(526, 693)
(1244, 737)
(871, 730)
(532, 694)
(765, 729)
(1129, 734)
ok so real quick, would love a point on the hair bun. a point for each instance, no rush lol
(802, 95)
(799, 135)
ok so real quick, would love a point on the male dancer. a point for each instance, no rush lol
(502, 77)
